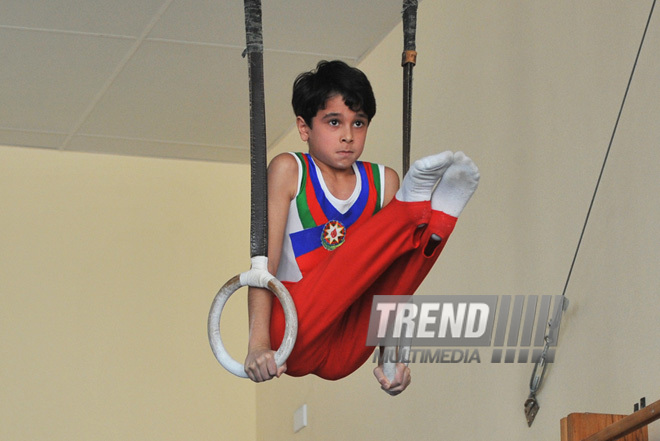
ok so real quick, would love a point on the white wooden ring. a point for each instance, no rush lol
(290, 316)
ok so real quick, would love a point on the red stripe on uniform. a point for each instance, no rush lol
(312, 202)
(373, 196)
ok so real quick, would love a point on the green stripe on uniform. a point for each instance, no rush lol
(376, 172)
(305, 215)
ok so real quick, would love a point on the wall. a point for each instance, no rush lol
(107, 271)
(531, 91)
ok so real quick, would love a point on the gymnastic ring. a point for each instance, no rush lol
(259, 278)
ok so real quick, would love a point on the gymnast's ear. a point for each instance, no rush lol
(303, 128)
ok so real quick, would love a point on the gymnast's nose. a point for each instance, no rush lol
(347, 135)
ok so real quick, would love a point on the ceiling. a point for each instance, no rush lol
(164, 78)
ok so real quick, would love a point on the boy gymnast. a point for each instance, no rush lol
(341, 231)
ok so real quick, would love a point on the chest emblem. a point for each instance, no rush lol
(333, 235)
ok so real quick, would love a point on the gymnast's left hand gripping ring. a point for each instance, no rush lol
(258, 277)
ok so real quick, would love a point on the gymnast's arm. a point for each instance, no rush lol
(282, 181)
(391, 185)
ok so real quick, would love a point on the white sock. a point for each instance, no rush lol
(418, 183)
(456, 186)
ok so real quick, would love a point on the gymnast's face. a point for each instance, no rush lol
(337, 134)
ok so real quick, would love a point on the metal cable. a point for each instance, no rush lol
(531, 405)
(609, 147)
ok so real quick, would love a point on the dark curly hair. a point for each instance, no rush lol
(311, 90)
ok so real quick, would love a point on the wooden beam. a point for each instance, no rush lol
(628, 424)
(578, 426)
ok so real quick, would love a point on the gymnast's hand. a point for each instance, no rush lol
(260, 365)
(400, 382)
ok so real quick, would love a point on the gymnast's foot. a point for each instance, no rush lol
(456, 186)
(423, 175)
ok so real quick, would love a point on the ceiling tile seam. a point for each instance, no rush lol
(194, 43)
(160, 156)
(159, 141)
(313, 54)
(217, 155)
(115, 73)
(67, 32)
(282, 136)
(40, 132)
(360, 58)
(30, 146)
(242, 47)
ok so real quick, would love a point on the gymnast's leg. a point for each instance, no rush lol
(334, 298)
(348, 350)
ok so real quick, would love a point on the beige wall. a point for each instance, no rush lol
(109, 264)
(531, 91)
(108, 267)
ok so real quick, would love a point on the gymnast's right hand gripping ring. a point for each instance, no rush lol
(258, 277)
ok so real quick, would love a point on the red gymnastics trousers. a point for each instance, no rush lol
(389, 254)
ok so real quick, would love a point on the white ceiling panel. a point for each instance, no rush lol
(47, 79)
(116, 17)
(203, 21)
(164, 78)
(333, 29)
(175, 92)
